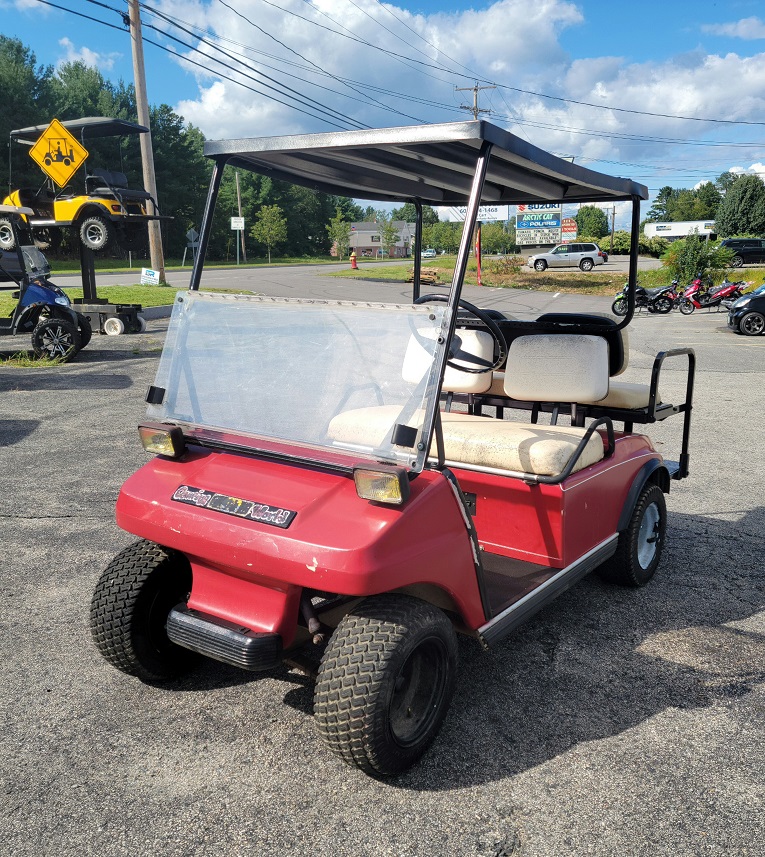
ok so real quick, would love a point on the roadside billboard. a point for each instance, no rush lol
(486, 213)
(568, 230)
(538, 223)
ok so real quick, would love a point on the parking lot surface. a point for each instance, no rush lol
(615, 722)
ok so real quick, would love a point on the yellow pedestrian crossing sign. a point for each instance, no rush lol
(58, 154)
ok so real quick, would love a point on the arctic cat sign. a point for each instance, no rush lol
(538, 223)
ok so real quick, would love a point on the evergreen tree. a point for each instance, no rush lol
(742, 211)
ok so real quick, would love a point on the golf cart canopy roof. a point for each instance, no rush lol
(432, 163)
(84, 129)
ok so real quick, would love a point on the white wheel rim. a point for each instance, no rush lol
(648, 536)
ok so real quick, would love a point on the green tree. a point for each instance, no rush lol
(339, 231)
(493, 238)
(695, 257)
(270, 227)
(591, 220)
(742, 211)
(26, 94)
(709, 198)
(660, 210)
(725, 181)
(408, 213)
(389, 234)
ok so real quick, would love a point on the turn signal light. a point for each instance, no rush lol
(162, 439)
(382, 485)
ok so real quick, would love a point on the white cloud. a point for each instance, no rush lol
(103, 62)
(746, 28)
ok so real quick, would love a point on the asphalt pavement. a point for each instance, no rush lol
(615, 722)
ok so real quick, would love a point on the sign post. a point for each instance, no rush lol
(237, 224)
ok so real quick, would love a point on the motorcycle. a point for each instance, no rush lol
(659, 300)
(696, 297)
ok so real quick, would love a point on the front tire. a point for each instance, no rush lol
(619, 306)
(85, 329)
(55, 338)
(586, 265)
(7, 239)
(641, 544)
(129, 609)
(686, 306)
(114, 326)
(737, 262)
(385, 683)
(540, 265)
(752, 324)
(96, 233)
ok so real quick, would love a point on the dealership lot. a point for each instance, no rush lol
(615, 722)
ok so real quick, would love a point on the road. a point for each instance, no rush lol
(616, 722)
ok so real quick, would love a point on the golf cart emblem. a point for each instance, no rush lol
(260, 512)
(58, 154)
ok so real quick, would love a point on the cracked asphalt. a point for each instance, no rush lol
(615, 722)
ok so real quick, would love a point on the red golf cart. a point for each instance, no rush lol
(369, 480)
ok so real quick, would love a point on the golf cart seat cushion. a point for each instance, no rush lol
(480, 441)
(107, 182)
(623, 394)
(417, 361)
(557, 368)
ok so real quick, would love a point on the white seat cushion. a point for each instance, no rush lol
(623, 394)
(481, 441)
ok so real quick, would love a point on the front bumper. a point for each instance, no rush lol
(222, 640)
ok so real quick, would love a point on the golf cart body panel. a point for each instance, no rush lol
(325, 467)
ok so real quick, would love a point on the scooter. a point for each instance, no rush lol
(42, 309)
(659, 300)
(695, 298)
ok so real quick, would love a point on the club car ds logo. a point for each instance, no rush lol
(249, 509)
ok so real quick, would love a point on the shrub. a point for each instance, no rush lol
(693, 257)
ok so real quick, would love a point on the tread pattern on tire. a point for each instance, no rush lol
(353, 673)
(114, 599)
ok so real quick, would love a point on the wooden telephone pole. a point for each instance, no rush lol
(475, 90)
(147, 152)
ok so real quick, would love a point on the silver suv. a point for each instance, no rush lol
(586, 256)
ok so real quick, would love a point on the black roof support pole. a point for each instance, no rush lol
(632, 276)
(88, 273)
(204, 236)
(417, 251)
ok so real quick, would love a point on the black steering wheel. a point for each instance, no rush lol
(455, 348)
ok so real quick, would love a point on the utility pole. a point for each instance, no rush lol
(147, 153)
(613, 226)
(475, 90)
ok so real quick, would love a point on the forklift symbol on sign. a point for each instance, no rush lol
(58, 156)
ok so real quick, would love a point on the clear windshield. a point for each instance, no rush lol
(35, 263)
(331, 375)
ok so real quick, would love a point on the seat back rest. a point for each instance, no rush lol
(557, 368)
(417, 361)
(597, 325)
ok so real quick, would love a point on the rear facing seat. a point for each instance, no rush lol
(576, 368)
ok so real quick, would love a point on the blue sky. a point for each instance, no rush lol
(397, 63)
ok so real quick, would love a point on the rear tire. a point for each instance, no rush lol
(641, 544)
(385, 683)
(114, 326)
(55, 338)
(96, 233)
(737, 262)
(129, 609)
(662, 305)
(586, 265)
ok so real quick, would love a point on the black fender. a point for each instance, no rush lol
(652, 471)
(32, 312)
(95, 209)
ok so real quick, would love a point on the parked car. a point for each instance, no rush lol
(746, 250)
(747, 315)
(585, 256)
(430, 253)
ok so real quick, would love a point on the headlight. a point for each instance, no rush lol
(61, 300)
(161, 439)
(382, 484)
(741, 302)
